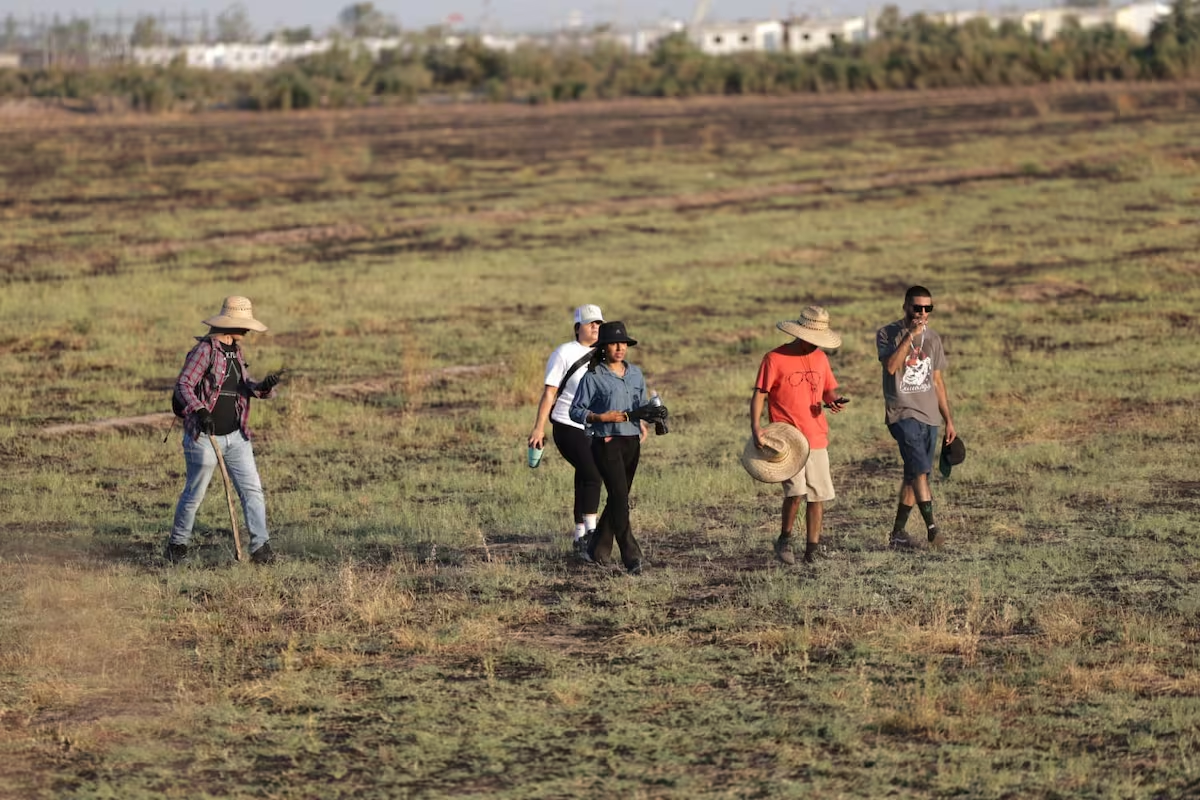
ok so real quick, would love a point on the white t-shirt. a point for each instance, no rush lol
(556, 366)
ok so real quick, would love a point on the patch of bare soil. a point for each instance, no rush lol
(679, 203)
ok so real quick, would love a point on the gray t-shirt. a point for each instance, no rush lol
(909, 394)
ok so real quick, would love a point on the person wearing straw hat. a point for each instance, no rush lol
(564, 369)
(214, 389)
(613, 403)
(795, 383)
(915, 404)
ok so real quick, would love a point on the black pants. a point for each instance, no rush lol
(617, 460)
(576, 448)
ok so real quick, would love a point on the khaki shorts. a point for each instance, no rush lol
(814, 483)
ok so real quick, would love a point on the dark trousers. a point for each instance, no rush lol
(617, 460)
(576, 448)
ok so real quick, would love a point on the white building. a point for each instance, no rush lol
(1047, 23)
(722, 39)
(642, 41)
(234, 56)
(1139, 18)
(808, 35)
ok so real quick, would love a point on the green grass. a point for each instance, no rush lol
(428, 633)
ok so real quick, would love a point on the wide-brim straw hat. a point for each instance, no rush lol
(236, 314)
(812, 327)
(784, 454)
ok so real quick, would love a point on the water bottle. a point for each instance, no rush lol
(534, 457)
(660, 425)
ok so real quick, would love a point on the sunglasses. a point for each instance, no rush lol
(918, 308)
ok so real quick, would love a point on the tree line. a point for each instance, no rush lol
(914, 52)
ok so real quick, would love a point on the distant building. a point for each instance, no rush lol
(642, 41)
(797, 35)
(239, 57)
(720, 39)
(1045, 24)
(1139, 18)
(805, 35)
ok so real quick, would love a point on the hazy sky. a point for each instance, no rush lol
(506, 14)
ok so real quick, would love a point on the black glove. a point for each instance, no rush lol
(205, 421)
(648, 413)
(268, 383)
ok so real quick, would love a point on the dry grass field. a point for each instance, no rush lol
(428, 632)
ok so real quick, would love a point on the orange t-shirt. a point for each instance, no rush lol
(795, 386)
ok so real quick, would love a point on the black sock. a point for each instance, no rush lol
(902, 512)
(926, 509)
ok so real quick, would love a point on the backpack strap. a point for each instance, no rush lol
(212, 360)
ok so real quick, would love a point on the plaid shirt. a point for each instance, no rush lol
(199, 384)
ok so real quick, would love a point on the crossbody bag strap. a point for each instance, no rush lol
(575, 368)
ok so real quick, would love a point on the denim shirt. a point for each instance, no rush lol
(601, 390)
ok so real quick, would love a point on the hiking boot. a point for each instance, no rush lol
(263, 555)
(936, 539)
(176, 553)
(783, 549)
(819, 553)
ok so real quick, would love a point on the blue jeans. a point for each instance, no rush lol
(201, 463)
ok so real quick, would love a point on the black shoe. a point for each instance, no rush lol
(635, 568)
(583, 543)
(176, 553)
(263, 555)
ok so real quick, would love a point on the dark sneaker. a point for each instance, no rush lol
(582, 543)
(263, 555)
(176, 553)
(936, 539)
(783, 549)
(635, 568)
(899, 542)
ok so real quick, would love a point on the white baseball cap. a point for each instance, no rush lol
(586, 314)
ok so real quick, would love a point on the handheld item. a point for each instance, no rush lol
(237, 540)
(660, 422)
(535, 457)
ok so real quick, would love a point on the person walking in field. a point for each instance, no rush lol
(613, 403)
(564, 369)
(794, 381)
(915, 405)
(214, 389)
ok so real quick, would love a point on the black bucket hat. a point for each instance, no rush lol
(952, 455)
(613, 332)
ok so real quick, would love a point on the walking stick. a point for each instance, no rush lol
(237, 540)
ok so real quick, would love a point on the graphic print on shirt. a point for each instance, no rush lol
(233, 375)
(918, 370)
(812, 379)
